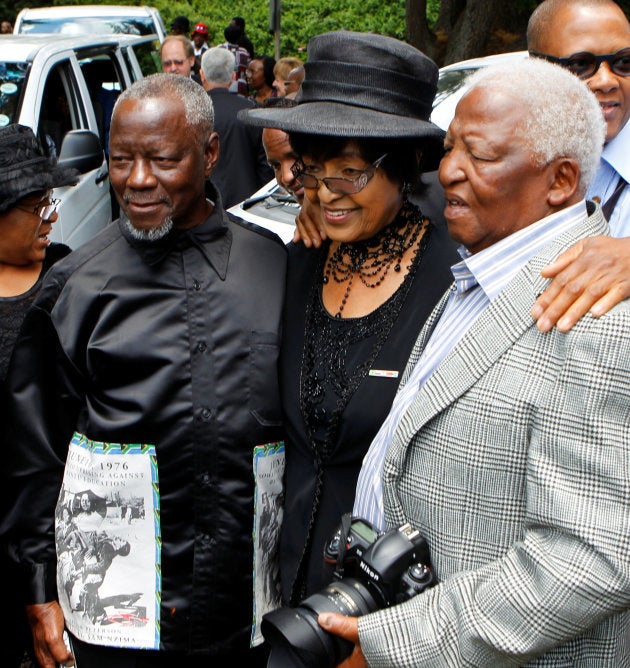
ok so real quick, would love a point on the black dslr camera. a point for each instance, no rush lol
(370, 570)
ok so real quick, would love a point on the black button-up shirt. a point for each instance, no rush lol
(175, 343)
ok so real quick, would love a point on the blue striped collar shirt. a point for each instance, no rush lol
(615, 162)
(479, 278)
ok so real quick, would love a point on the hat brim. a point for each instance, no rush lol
(41, 175)
(339, 120)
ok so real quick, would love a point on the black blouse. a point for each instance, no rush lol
(13, 309)
(336, 471)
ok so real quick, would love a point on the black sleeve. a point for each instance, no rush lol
(43, 403)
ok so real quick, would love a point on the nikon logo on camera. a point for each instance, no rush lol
(370, 572)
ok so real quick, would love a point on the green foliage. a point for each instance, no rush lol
(300, 19)
(433, 11)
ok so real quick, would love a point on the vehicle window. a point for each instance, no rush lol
(12, 79)
(148, 57)
(450, 82)
(121, 25)
(62, 108)
(104, 83)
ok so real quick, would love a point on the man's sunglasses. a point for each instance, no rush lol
(585, 64)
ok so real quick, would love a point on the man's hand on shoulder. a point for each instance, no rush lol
(593, 275)
(47, 625)
(307, 230)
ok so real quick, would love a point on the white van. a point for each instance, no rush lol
(90, 20)
(64, 88)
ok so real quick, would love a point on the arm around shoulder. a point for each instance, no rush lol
(593, 275)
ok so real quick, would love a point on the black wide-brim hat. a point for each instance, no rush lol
(362, 85)
(25, 168)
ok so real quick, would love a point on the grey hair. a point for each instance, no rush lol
(541, 18)
(197, 103)
(560, 116)
(218, 65)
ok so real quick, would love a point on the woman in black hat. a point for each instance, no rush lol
(27, 214)
(354, 306)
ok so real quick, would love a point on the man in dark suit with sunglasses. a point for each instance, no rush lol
(591, 38)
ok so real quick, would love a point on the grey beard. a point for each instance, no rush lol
(153, 234)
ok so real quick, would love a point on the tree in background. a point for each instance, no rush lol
(453, 30)
(446, 30)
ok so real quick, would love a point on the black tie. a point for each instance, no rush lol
(609, 205)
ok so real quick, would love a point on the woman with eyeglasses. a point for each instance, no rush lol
(354, 305)
(27, 214)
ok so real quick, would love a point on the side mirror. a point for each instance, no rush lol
(82, 150)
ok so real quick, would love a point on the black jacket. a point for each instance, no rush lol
(173, 343)
(242, 167)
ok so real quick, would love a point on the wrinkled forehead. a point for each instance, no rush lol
(148, 109)
(486, 111)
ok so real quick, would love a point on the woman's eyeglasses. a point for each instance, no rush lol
(337, 184)
(44, 211)
(585, 64)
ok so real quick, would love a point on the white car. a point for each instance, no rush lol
(272, 208)
(64, 89)
(90, 20)
(452, 83)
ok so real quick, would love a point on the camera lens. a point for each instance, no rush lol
(297, 640)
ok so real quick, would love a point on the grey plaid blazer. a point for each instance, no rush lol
(514, 462)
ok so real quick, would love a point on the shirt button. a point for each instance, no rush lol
(201, 347)
(196, 284)
(205, 413)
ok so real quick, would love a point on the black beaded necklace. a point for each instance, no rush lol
(326, 377)
(372, 259)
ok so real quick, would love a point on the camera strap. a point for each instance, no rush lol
(346, 523)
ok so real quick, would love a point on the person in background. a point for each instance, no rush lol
(6, 28)
(178, 57)
(239, 85)
(243, 40)
(354, 306)
(199, 39)
(294, 81)
(507, 447)
(27, 214)
(180, 25)
(259, 75)
(281, 156)
(242, 168)
(163, 331)
(281, 73)
(577, 34)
